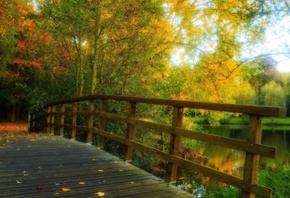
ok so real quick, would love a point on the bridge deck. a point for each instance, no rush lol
(50, 166)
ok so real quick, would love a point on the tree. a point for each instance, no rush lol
(272, 94)
(108, 42)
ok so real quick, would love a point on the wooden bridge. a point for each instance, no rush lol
(49, 166)
(64, 165)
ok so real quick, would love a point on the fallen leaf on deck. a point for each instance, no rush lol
(132, 182)
(81, 183)
(100, 171)
(18, 182)
(57, 184)
(100, 194)
(25, 174)
(57, 193)
(40, 188)
(65, 189)
(120, 170)
(94, 159)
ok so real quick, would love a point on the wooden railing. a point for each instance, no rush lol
(252, 146)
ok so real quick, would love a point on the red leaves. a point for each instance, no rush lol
(65, 54)
(40, 188)
(10, 75)
(21, 44)
(19, 61)
(35, 64)
(26, 63)
(31, 25)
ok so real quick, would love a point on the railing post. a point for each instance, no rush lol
(91, 122)
(31, 118)
(52, 119)
(252, 160)
(48, 119)
(174, 144)
(62, 120)
(102, 124)
(74, 120)
(130, 131)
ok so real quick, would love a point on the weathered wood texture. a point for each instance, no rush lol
(252, 146)
(40, 166)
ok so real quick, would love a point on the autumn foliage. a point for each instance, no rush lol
(187, 50)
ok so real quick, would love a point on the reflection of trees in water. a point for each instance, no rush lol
(231, 161)
(277, 139)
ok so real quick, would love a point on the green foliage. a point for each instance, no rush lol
(273, 94)
(217, 191)
(278, 180)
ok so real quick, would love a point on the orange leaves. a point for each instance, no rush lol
(21, 44)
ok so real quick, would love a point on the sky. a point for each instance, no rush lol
(278, 41)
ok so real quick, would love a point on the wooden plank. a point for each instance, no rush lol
(40, 168)
(248, 109)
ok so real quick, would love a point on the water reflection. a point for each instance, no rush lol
(227, 160)
(220, 156)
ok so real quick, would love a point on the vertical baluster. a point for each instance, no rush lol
(174, 144)
(130, 131)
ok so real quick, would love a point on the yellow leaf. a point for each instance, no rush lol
(132, 182)
(100, 171)
(100, 194)
(57, 193)
(94, 159)
(81, 183)
(65, 189)
(120, 170)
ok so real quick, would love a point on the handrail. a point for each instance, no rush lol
(237, 108)
(252, 146)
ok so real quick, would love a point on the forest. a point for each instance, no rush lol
(173, 49)
(196, 50)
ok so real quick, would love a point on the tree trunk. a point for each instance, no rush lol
(94, 79)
